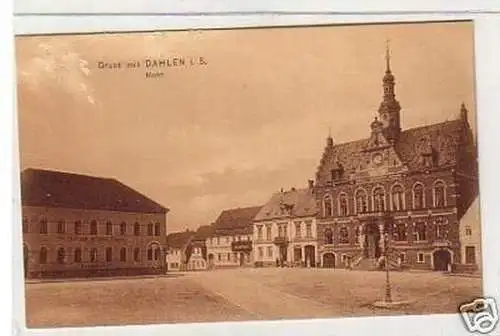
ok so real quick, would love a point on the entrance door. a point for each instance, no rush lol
(372, 240)
(210, 260)
(283, 255)
(470, 255)
(329, 260)
(441, 259)
(310, 255)
(242, 258)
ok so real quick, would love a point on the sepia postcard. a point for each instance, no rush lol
(250, 174)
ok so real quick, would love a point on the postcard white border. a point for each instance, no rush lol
(232, 6)
(488, 100)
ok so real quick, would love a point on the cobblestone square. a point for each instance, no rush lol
(239, 295)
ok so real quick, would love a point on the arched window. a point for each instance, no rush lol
(43, 226)
(123, 254)
(343, 206)
(361, 201)
(109, 254)
(329, 236)
(378, 199)
(397, 198)
(418, 196)
(43, 255)
(157, 228)
(93, 255)
(61, 255)
(327, 202)
(439, 194)
(93, 227)
(137, 229)
(150, 229)
(343, 235)
(137, 254)
(78, 255)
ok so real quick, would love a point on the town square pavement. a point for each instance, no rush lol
(241, 294)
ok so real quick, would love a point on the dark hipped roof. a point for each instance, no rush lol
(301, 203)
(179, 239)
(203, 232)
(67, 190)
(443, 137)
(235, 221)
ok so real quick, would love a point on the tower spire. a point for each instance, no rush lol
(389, 107)
(387, 56)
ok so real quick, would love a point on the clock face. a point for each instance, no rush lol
(377, 158)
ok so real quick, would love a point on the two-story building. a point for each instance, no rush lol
(284, 230)
(230, 244)
(81, 226)
(405, 189)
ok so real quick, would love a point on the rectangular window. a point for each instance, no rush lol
(261, 251)
(93, 227)
(229, 257)
(123, 228)
(123, 254)
(269, 251)
(227, 240)
(218, 240)
(150, 229)
(420, 257)
(308, 229)
(219, 257)
(470, 255)
(297, 229)
(109, 229)
(61, 226)
(157, 229)
(402, 258)
(137, 229)
(78, 228)
(137, 254)
(44, 226)
(468, 231)
(259, 232)
(109, 254)
(268, 232)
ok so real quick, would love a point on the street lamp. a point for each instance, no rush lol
(388, 296)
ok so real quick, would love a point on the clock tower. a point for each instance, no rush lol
(389, 107)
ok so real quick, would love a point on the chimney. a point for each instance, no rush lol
(311, 183)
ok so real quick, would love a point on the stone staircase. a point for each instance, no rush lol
(376, 264)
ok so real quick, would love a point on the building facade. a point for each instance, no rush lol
(230, 245)
(76, 225)
(196, 258)
(284, 230)
(177, 246)
(470, 240)
(401, 189)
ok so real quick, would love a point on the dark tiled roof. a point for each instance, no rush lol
(444, 138)
(66, 190)
(179, 239)
(300, 201)
(235, 221)
(203, 232)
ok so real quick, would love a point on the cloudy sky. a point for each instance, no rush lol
(253, 120)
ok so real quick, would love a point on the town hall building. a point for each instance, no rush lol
(404, 189)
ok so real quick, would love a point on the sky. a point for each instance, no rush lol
(250, 120)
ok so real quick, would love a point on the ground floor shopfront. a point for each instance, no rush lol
(286, 253)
